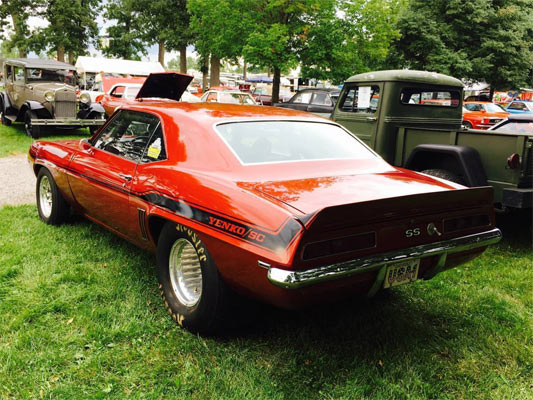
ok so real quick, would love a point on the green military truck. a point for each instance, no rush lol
(413, 120)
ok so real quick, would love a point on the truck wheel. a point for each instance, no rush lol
(192, 289)
(52, 207)
(5, 121)
(31, 130)
(444, 174)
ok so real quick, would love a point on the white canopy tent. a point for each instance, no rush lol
(95, 65)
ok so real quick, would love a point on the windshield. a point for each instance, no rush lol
(48, 75)
(493, 108)
(259, 142)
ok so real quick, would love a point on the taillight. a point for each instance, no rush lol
(513, 161)
(340, 245)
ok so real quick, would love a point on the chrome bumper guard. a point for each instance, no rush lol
(68, 122)
(298, 279)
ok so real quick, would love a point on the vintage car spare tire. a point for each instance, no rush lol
(31, 130)
(192, 289)
(52, 207)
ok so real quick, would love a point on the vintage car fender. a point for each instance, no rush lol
(34, 106)
(463, 161)
(86, 110)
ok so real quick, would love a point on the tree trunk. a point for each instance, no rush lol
(491, 95)
(205, 71)
(183, 59)
(71, 58)
(275, 85)
(61, 54)
(161, 56)
(215, 71)
(16, 19)
(244, 67)
(268, 72)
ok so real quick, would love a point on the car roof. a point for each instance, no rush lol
(400, 75)
(207, 114)
(39, 63)
(320, 90)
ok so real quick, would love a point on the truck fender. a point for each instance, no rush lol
(4, 101)
(89, 109)
(462, 161)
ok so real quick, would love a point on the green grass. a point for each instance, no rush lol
(13, 139)
(80, 317)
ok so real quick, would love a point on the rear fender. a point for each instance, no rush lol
(463, 161)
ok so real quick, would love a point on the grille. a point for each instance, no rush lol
(65, 104)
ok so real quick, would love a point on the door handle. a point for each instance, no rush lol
(371, 119)
(125, 177)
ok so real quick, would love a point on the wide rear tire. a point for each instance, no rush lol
(191, 287)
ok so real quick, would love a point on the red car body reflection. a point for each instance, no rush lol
(286, 233)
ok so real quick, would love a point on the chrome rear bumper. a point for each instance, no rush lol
(298, 279)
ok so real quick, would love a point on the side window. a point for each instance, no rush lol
(128, 134)
(360, 99)
(469, 107)
(321, 99)
(9, 73)
(517, 106)
(19, 74)
(211, 97)
(155, 151)
(117, 91)
(430, 97)
(302, 98)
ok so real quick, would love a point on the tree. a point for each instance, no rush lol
(72, 27)
(220, 28)
(165, 23)
(17, 12)
(124, 36)
(480, 40)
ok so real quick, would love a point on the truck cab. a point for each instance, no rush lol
(413, 120)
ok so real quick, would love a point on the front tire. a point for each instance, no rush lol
(31, 130)
(5, 121)
(191, 287)
(468, 125)
(52, 207)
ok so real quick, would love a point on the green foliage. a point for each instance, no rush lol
(81, 318)
(482, 40)
(72, 26)
(174, 64)
(125, 34)
(17, 12)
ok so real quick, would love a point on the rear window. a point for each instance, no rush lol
(258, 142)
(430, 97)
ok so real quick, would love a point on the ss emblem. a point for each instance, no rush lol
(412, 232)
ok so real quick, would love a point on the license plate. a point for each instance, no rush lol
(400, 273)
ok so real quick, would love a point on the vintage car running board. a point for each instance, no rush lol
(298, 279)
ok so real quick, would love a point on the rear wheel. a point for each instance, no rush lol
(5, 120)
(468, 125)
(192, 289)
(31, 130)
(444, 174)
(52, 207)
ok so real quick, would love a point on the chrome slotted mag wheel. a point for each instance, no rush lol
(45, 196)
(185, 272)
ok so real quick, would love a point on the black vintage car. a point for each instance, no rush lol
(43, 93)
(317, 101)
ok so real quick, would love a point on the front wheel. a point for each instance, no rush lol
(52, 207)
(192, 289)
(31, 130)
(5, 121)
(467, 125)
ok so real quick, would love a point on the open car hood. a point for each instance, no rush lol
(164, 85)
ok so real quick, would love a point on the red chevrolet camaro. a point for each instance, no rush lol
(274, 204)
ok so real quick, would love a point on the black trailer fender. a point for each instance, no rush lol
(462, 161)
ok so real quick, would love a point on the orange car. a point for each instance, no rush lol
(482, 114)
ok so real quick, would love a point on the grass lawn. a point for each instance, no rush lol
(80, 317)
(13, 139)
